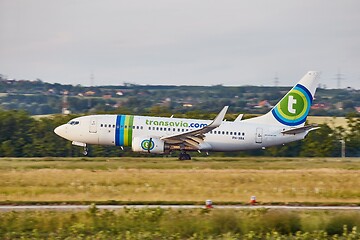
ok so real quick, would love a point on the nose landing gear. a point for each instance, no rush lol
(86, 150)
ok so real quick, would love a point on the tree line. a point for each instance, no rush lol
(21, 135)
(39, 98)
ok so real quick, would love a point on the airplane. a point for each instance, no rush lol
(284, 123)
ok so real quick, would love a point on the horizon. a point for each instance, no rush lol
(126, 84)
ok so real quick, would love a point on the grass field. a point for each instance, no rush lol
(235, 180)
(331, 121)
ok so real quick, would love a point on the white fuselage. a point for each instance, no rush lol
(120, 130)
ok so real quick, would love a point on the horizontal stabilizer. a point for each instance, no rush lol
(298, 130)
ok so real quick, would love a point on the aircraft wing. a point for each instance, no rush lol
(301, 129)
(194, 138)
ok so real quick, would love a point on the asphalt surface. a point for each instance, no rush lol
(115, 207)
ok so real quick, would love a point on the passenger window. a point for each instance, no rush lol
(141, 127)
(101, 125)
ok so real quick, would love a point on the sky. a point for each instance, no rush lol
(180, 42)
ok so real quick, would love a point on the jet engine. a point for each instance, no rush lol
(148, 145)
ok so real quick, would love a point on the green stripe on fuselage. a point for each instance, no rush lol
(129, 121)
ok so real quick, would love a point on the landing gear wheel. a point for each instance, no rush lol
(184, 156)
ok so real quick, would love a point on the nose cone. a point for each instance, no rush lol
(61, 131)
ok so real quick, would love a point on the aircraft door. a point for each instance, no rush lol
(259, 134)
(93, 126)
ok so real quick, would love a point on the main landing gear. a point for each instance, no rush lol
(184, 156)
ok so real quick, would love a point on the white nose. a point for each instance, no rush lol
(61, 130)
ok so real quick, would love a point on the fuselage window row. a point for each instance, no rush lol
(169, 129)
(113, 126)
(227, 133)
(183, 130)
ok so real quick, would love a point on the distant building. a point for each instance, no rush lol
(119, 93)
(51, 91)
(107, 96)
(89, 93)
(339, 106)
(324, 106)
(263, 104)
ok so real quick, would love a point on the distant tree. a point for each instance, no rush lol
(288, 150)
(15, 132)
(323, 142)
(352, 136)
(160, 111)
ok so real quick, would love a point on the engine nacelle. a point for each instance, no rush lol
(148, 145)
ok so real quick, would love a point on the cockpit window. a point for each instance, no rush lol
(74, 122)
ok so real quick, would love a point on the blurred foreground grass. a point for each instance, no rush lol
(179, 224)
(271, 180)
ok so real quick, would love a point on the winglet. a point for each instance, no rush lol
(219, 118)
(239, 118)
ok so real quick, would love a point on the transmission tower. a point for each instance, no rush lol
(339, 77)
(91, 80)
(65, 104)
(91, 85)
(276, 80)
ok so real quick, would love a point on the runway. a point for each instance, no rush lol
(6, 208)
